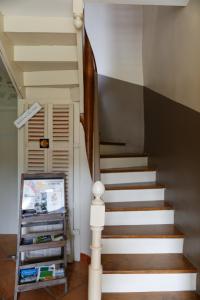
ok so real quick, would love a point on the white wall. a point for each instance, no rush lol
(115, 32)
(171, 52)
(8, 171)
(8, 155)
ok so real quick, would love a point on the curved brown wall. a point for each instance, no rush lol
(172, 141)
(121, 113)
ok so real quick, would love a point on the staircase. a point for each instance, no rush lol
(142, 250)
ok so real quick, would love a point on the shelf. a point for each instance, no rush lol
(42, 228)
(40, 246)
(43, 218)
(39, 264)
(42, 284)
(42, 233)
(40, 223)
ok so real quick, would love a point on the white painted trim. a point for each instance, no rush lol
(77, 204)
(142, 245)
(123, 283)
(140, 217)
(134, 195)
(78, 7)
(20, 147)
(80, 68)
(71, 175)
(48, 101)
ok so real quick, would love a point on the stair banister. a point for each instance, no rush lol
(97, 222)
(90, 89)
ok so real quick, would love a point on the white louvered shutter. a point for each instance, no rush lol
(54, 122)
(36, 129)
(60, 157)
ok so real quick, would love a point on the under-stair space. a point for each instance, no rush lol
(142, 250)
(44, 51)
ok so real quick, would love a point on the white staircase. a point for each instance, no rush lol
(142, 250)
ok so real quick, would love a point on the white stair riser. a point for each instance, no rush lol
(38, 24)
(142, 245)
(123, 162)
(45, 53)
(139, 217)
(129, 177)
(124, 283)
(47, 78)
(134, 195)
(112, 149)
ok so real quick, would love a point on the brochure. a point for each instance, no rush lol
(41, 196)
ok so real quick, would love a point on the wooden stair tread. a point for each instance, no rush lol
(128, 169)
(134, 186)
(141, 231)
(151, 296)
(119, 155)
(146, 263)
(113, 143)
(138, 206)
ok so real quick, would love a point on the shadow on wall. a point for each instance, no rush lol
(8, 155)
(121, 113)
(171, 139)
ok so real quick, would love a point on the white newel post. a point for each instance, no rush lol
(97, 221)
(78, 13)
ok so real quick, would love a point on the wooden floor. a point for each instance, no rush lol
(152, 296)
(78, 274)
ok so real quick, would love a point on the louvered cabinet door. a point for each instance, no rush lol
(60, 157)
(36, 129)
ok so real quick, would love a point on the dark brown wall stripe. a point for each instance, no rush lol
(172, 139)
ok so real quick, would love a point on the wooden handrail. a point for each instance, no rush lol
(90, 88)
